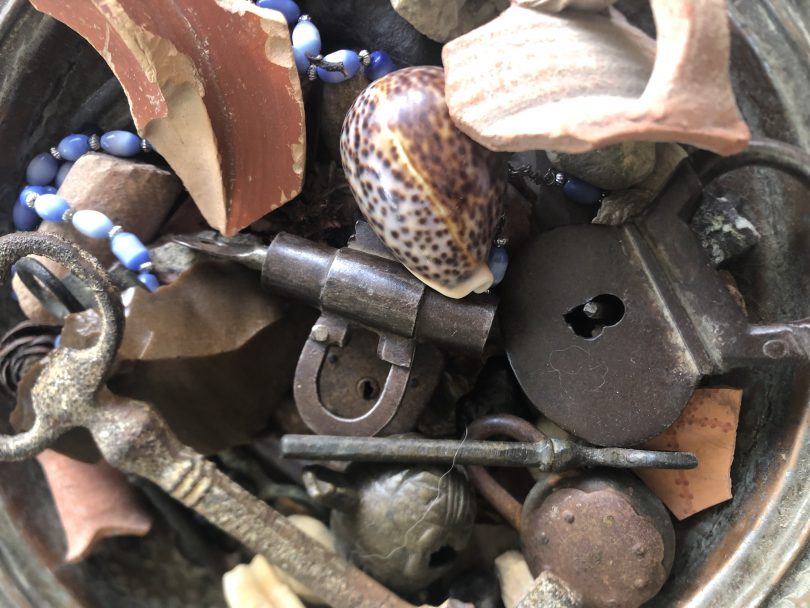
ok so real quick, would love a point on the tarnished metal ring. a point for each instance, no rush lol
(46, 287)
(760, 152)
(516, 428)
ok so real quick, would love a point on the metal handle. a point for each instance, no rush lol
(516, 428)
(67, 379)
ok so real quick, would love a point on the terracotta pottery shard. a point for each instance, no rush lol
(213, 86)
(708, 428)
(94, 502)
(575, 81)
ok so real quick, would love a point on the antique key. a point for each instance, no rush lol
(362, 286)
(609, 329)
(61, 392)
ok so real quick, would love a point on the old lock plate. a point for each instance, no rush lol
(353, 376)
(615, 376)
(608, 329)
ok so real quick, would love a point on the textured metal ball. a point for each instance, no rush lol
(430, 192)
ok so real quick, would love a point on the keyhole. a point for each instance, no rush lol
(368, 388)
(589, 319)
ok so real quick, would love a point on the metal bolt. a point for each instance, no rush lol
(775, 349)
(319, 333)
(55, 153)
(568, 517)
(592, 310)
(365, 57)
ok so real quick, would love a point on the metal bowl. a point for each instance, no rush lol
(750, 551)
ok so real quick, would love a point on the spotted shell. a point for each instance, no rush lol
(429, 192)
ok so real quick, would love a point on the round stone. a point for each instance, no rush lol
(613, 167)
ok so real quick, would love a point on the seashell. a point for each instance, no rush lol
(429, 192)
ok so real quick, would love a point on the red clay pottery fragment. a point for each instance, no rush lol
(213, 87)
(94, 502)
(574, 81)
(708, 428)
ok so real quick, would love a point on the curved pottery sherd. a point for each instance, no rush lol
(429, 192)
(576, 81)
(213, 86)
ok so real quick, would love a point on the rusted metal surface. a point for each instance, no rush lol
(62, 394)
(598, 543)
(543, 454)
(609, 329)
(362, 286)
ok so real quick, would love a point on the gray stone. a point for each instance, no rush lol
(622, 205)
(613, 167)
(723, 232)
(443, 20)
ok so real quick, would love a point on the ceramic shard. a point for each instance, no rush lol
(94, 501)
(708, 428)
(576, 81)
(213, 87)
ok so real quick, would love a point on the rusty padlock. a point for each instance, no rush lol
(604, 534)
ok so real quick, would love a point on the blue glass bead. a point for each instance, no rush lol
(92, 223)
(498, 263)
(288, 8)
(379, 65)
(24, 218)
(41, 170)
(73, 146)
(121, 143)
(305, 39)
(129, 250)
(57, 341)
(51, 207)
(62, 174)
(28, 190)
(581, 192)
(149, 281)
(351, 64)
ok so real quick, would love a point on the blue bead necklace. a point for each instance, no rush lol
(575, 189)
(334, 67)
(39, 201)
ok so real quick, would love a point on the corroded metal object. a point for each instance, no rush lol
(538, 451)
(361, 285)
(637, 314)
(62, 389)
(404, 525)
(604, 534)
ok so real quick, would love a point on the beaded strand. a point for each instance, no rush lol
(334, 67)
(39, 201)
